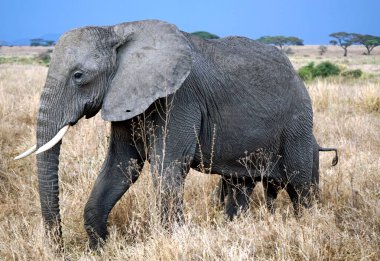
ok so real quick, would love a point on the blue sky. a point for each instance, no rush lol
(310, 20)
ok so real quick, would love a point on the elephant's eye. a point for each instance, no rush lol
(77, 76)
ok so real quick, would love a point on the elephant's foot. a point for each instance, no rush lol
(96, 227)
(95, 241)
(301, 198)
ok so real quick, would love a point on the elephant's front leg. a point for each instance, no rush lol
(170, 164)
(120, 169)
(169, 182)
(173, 150)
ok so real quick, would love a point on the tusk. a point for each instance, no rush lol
(54, 140)
(26, 153)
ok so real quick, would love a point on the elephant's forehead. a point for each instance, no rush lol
(76, 48)
(74, 45)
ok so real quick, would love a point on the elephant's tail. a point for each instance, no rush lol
(335, 159)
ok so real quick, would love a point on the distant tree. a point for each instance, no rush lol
(343, 39)
(281, 41)
(322, 49)
(205, 35)
(41, 42)
(369, 41)
(36, 42)
(50, 42)
(292, 40)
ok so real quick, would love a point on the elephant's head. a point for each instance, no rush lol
(120, 69)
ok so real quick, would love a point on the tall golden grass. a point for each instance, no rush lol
(345, 225)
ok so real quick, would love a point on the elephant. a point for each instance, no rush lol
(233, 193)
(208, 102)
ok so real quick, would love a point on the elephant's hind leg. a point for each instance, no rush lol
(299, 187)
(220, 193)
(120, 169)
(298, 168)
(238, 192)
(271, 189)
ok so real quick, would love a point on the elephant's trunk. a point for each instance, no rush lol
(47, 165)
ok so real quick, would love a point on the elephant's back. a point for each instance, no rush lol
(253, 63)
(255, 74)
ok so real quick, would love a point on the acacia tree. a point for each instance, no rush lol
(343, 39)
(281, 41)
(369, 41)
(41, 42)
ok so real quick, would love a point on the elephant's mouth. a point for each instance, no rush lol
(91, 114)
(91, 109)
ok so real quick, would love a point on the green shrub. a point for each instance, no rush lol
(44, 58)
(326, 69)
(16, 60)
(323, 69)
(353, 73)
(306, 72)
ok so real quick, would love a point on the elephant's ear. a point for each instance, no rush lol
(153, 60)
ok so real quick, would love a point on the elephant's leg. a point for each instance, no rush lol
(170, 162)
(300, 196)
(315, 171)
(238, 195)
(173, 150)
(230, 208)
(120, 169)
(220, 192)
(169, 180)
(271, 189)
(298, 170)
(300, 193)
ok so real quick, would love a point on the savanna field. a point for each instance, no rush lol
(343, 225)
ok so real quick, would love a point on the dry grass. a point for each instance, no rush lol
(344, 226)
(23, 50)
(355, 59)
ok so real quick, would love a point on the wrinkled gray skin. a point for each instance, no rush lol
(234, 192)
(227, 97)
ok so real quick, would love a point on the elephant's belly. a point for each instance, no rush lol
(242, 155)
(231, 137)
(244, 167)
